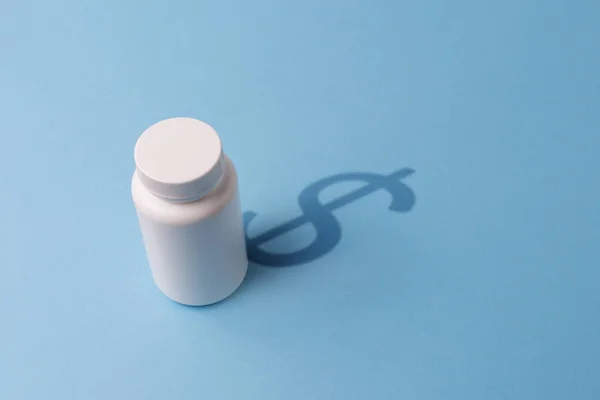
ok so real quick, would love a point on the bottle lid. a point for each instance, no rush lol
(179, 159)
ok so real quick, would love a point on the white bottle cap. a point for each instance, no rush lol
(179, 159)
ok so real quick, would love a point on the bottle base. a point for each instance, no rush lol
(207, 301)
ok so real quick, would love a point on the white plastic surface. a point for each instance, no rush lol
(196, 250)
(179, 159)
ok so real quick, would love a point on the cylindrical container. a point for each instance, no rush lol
(186, 197)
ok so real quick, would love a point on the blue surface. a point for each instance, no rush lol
(485, 288)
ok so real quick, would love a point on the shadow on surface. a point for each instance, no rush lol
(320, 216)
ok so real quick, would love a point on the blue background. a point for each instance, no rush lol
(486, 289)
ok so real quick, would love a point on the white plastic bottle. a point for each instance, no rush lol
(186, 197)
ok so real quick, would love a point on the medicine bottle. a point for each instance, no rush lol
(185, 192)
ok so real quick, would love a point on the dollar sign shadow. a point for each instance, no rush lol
(327, 228)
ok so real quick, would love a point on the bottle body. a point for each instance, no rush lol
(196, 250)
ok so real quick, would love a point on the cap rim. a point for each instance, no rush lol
(188, 191)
